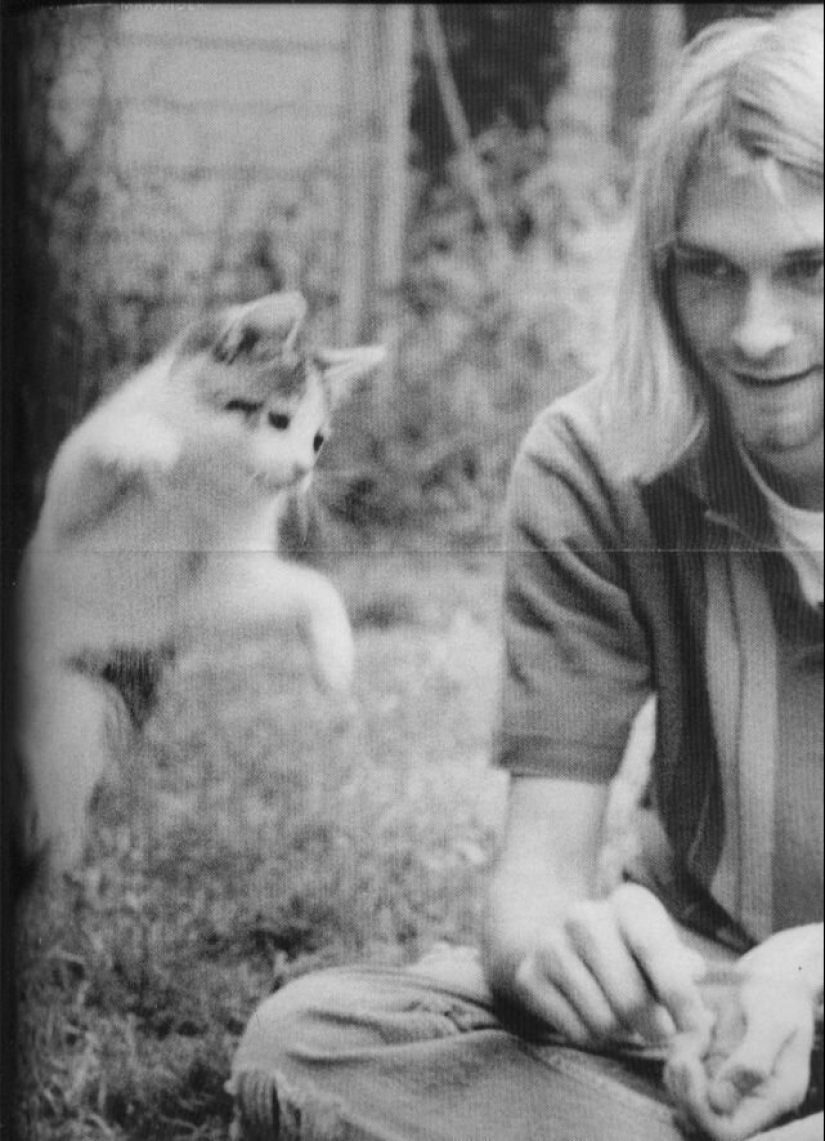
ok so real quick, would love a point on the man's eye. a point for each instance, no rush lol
(245, 407)
(279, 421)
(704, 267)
(806, 271)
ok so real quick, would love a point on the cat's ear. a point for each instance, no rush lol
(343, 368)
(273, 321)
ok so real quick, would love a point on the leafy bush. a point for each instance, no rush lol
(491, 326)
(506, 60)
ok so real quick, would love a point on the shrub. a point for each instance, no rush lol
(491, 326)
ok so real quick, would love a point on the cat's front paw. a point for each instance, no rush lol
(335, 660)
(333, 646)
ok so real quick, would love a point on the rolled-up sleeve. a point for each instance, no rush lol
(576, 666)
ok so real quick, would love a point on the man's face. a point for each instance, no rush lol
(748, 289)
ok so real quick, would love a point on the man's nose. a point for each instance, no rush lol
(763, 327)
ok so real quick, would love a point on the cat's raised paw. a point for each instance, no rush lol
(335, 662)
(334, 650)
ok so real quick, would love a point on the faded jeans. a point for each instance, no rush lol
(380, 1054)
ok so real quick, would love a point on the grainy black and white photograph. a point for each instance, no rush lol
(412, 489)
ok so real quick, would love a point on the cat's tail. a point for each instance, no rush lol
(70, 724)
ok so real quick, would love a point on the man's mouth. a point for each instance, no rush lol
(749, 380)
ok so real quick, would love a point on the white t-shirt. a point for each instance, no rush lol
(801, 534)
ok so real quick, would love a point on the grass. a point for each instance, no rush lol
(261, 831)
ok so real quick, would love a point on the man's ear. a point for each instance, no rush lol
(273, 321)
(343, 368)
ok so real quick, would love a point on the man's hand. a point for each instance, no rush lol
(755, 1065)
(615, 968)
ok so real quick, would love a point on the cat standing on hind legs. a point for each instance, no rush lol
(159, 523)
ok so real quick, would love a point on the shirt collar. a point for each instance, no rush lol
(716, 475)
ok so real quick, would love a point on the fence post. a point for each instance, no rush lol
(397, 40)
(358, 156)
(378, 68)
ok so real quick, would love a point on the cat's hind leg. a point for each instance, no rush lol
(71, 724)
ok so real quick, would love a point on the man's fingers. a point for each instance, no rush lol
(755, 1071)
(725, 1094)
(543, 999)
(687, 1083)
(596, 938)
(671, 969)
(776, 1048)
(655, 1024)
(684, 1075)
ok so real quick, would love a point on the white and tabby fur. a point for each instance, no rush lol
(159, 525)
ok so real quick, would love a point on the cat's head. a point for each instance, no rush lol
(257, 388)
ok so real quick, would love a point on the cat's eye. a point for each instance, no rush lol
(246, 407)
(279, 420)
(318, 442)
